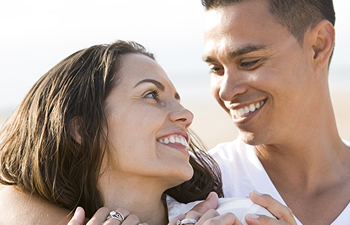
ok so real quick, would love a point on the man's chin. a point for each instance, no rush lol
(249, 138)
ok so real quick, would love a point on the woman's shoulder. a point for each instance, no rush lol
(19, 207)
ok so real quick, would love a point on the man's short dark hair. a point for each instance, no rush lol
(296, 15)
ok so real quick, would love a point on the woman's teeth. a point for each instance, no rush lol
(174, 139)
(247, 109)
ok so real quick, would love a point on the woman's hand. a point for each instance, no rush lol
(100, 217)
(205, 214)
(78, 217)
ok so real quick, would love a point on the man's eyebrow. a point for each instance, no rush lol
(246, 49)
(156, 83)
(238, 52)
(177, 96)
(208, 59)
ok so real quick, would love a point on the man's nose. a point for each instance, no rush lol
(231, 84)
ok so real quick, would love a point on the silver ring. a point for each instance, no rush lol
(186, 221)
(116, 215)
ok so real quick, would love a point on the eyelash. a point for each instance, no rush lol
(154, 93)
(216, 70)
(249, 64)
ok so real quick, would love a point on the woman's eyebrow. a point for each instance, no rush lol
(156, 83)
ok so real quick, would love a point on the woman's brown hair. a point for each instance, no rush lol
(37, 151)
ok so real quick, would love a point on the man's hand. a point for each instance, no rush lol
(282, 213)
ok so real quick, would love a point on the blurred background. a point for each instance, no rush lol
(37, 34)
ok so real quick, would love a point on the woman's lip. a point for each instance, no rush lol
(176, 146)
(177, 132)
(174, 139)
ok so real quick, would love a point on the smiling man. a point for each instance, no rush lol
(269, 62)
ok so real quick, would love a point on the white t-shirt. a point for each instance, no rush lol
(243, 172)
(239, 206)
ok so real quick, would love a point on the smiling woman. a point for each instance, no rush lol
(101, 128)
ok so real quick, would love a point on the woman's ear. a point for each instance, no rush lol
(76, 129)
(322, 38)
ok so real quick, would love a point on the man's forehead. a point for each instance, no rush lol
(235, 11)
(212, 19)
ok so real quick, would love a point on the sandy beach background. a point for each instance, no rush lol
(31, 45)
(214, 126)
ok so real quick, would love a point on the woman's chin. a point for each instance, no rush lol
(183, 176)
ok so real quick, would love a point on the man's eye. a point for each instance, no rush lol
(249, 64)
(153, 94)
(216, 70)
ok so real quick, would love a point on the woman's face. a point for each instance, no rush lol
(147, 125)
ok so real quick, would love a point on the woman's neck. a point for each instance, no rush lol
(142, 197)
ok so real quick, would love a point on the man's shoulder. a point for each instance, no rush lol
(20, 207)
(235, 150)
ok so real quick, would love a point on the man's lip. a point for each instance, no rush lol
(242, 114)
(237, 106)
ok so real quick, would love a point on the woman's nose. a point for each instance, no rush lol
(183, 115)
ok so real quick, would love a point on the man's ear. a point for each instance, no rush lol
(76, 129)
(322, 38)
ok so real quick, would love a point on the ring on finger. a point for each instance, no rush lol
(115, 215)
(186, 221)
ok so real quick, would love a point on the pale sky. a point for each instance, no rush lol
(37, 34)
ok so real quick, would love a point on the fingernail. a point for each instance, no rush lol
(256, 192)
(210, 194)
(78, 210)
(253, 216)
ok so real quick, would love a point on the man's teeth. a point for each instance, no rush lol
(174, 139)
(247, 109)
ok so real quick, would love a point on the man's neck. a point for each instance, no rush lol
(312, 178)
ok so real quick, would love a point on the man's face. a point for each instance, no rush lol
(260, 74)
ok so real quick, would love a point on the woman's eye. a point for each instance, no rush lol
(153, 94)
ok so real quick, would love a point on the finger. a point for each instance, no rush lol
(193, 215)
(211, 213)
(190, 215)
(175, 219)
(280, 211)
(99, 217)
(131, 220)
(210, 203)
(124, 215)
(225, 219)
(254, 219)
(78, 217)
